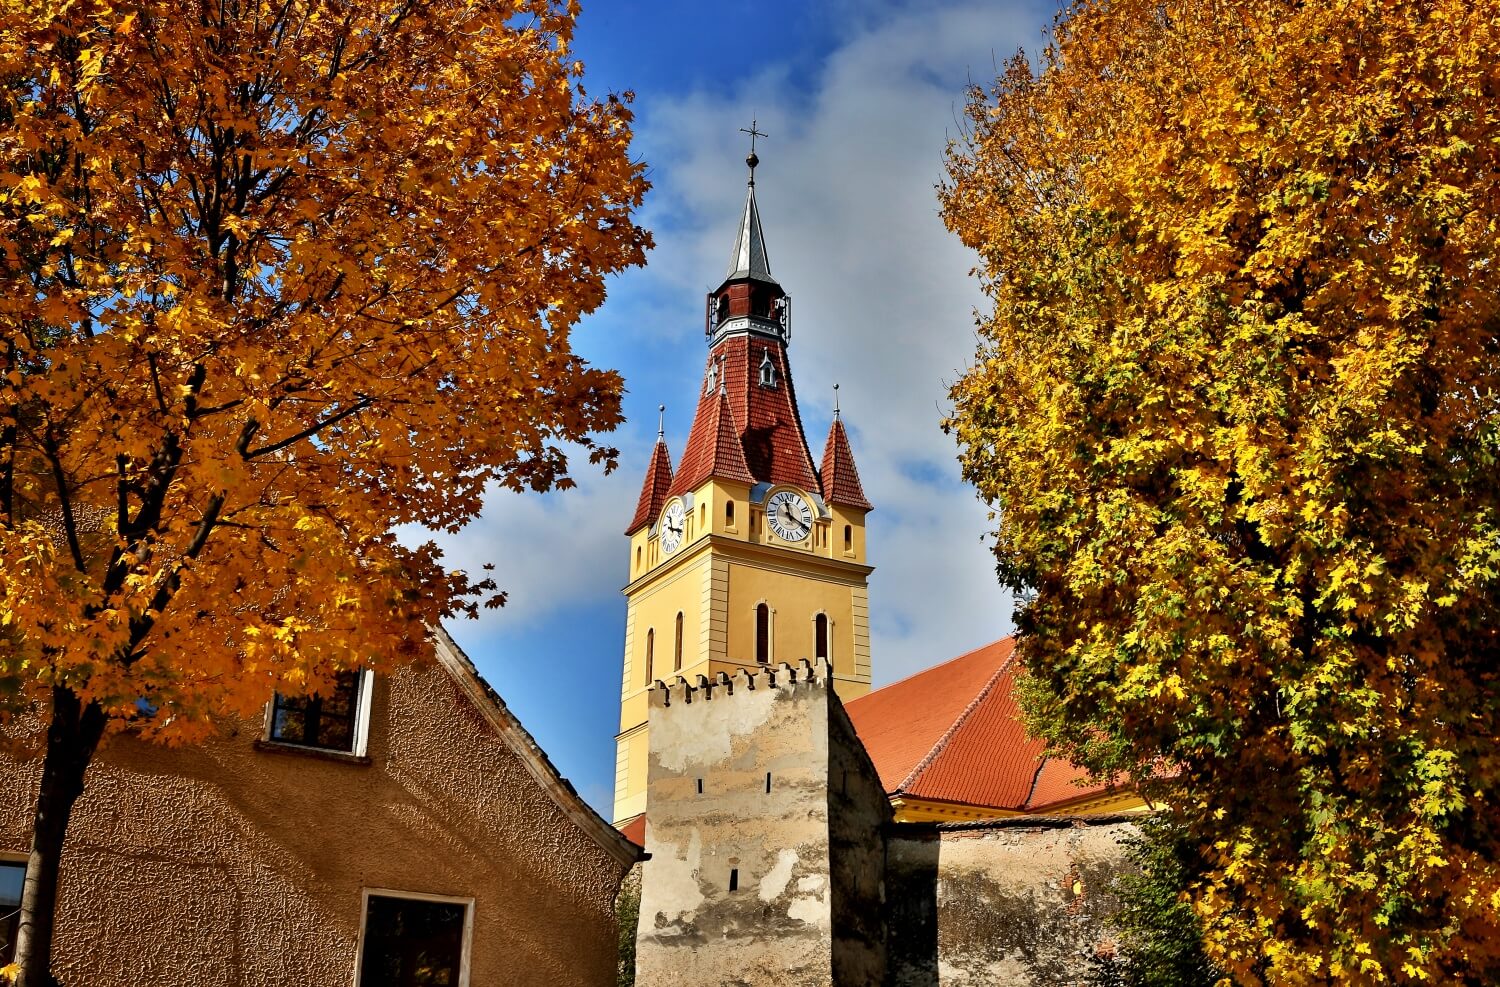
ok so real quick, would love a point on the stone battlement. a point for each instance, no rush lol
(779, 676)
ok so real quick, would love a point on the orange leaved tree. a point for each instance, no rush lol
(1238, 405)
(279, 277)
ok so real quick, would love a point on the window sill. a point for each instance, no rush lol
(321, 753)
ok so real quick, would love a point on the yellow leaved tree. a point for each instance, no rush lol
(1237, 404)
(279, 277)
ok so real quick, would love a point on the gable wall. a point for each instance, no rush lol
(228, 865)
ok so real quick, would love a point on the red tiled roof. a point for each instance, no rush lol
(772, 446)
(654, 490)
(713, 447)
(954, 734)
(634, 829)
(840, 478)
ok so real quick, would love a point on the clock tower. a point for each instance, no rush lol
(748, 553)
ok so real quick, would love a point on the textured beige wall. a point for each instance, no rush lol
(227, 865)
(1009, 903)
(776, 929)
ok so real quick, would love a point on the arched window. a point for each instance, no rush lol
(703, 515)
(762, 633)
(729, 514)
(820, 636)
(848, 537)
(677, 648)
(650, 653)
(637, 557)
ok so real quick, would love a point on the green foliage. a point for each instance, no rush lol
(627, 917)
(1161, 939)
(1237, 405)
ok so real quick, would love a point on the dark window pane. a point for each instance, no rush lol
(762, 633)
(12, 873)
(412, 943)
(820, 646)
(319, 721)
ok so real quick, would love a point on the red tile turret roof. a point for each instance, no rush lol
(713, 447)
(953, 733)
(840, 477)
(768, 429)
(654, 490)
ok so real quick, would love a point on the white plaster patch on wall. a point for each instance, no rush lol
(702, 732)
(811, 909)
(811, 884)
(675, 877)
(779, 876)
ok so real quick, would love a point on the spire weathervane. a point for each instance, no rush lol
(661, 422)
(835, 401)
(753, 159)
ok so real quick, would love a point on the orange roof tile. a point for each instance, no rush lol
(840, 479)
(654, 490)
(634, 829)
(954, 734)
(713, 448)
(766, 420)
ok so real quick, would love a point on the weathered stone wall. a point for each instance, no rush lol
(1010, 903)
(738, 794)
(858, 815)
(227, 865)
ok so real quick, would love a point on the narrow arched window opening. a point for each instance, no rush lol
(820, 635)
(637, 557)
(848, 537)
(677, 648)
(650, 653)
(767, 370)
(729, 513)
(762, 633)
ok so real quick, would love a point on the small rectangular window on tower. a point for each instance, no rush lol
(734, 878)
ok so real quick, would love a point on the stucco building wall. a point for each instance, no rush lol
(230, 865)
(1020, 902)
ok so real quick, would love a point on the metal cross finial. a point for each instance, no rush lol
(753, 159)
(661, 421)
(835, 401)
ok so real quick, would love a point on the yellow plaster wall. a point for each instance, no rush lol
(716, 587)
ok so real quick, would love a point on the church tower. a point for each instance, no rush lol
(748, 554)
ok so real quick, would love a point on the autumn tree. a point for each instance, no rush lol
(1237, 403)
(280, 276)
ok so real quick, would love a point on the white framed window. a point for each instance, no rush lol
(12, 877)
(411, 937)
(338, 722)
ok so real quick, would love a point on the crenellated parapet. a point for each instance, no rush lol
(781, 675)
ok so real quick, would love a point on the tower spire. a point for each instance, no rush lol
(750, 260)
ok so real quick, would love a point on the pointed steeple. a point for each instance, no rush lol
(840, 478)
(658, 482)
(750, 260)
(713, 448)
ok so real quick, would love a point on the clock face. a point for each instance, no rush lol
(789, 516)
(673, 522)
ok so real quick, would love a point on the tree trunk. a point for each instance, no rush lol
(72, 739)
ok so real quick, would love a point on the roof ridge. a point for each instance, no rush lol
(1036, 777)
(953, 728)
(932, 668)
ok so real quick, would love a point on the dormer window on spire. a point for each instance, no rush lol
(767, 370)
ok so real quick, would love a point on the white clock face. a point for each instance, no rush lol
(789, 516)
(673, 522)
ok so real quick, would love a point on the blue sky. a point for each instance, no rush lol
(858, 100)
